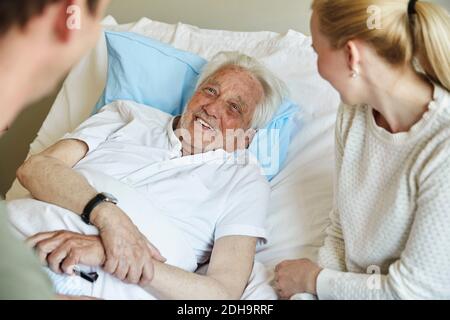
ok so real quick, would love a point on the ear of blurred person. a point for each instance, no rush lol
(40, 40)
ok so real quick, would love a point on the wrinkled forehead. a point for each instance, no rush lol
(237, 81)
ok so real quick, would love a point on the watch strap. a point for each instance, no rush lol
(94, 202)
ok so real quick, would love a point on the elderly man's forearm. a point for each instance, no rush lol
(51, 180)
(174, 283)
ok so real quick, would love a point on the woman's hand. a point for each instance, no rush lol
(296, 276)
(62, 250)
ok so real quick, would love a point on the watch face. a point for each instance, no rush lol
(110, 197)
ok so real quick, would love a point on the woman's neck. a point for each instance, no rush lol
(401, 100)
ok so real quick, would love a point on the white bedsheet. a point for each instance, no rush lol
(162, 233)
(301, 193)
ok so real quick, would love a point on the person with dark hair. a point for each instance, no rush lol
(40, 40)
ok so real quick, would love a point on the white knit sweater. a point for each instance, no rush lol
(392, 208)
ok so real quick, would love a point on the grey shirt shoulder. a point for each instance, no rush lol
(21, 276)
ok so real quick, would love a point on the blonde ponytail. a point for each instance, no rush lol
(422, 38)
(431, 30)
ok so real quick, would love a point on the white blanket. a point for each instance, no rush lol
(29, 216)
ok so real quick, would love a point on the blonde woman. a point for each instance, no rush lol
(389, 236)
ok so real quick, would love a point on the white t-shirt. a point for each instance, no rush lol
(207, 196)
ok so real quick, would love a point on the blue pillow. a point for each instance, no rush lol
(158, 75)
(149, 72)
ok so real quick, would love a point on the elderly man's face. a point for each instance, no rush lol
(220, 109)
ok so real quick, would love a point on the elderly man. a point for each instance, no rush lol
(192, 169)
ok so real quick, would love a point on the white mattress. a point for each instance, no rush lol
(301, 193)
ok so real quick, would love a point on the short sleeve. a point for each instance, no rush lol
(246, 208)
(100, 126)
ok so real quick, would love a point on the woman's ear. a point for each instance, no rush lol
(62, 30)
(353, 57)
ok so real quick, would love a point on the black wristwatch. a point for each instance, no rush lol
(99, 198)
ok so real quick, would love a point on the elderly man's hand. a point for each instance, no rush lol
(128, 252)
(296, 276)
(62, 250)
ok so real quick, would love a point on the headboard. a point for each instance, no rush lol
(235, 15)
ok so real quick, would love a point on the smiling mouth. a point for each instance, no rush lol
(205, 125)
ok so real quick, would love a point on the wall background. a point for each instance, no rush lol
(236, 15)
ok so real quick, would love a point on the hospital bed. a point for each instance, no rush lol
(302, 191)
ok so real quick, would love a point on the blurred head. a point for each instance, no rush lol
(49, 36)
(348, 45)
(235, 96)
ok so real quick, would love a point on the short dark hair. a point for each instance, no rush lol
(19, 12)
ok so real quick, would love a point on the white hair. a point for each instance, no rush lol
(274, 88)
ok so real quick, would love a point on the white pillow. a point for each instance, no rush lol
(289, 56)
